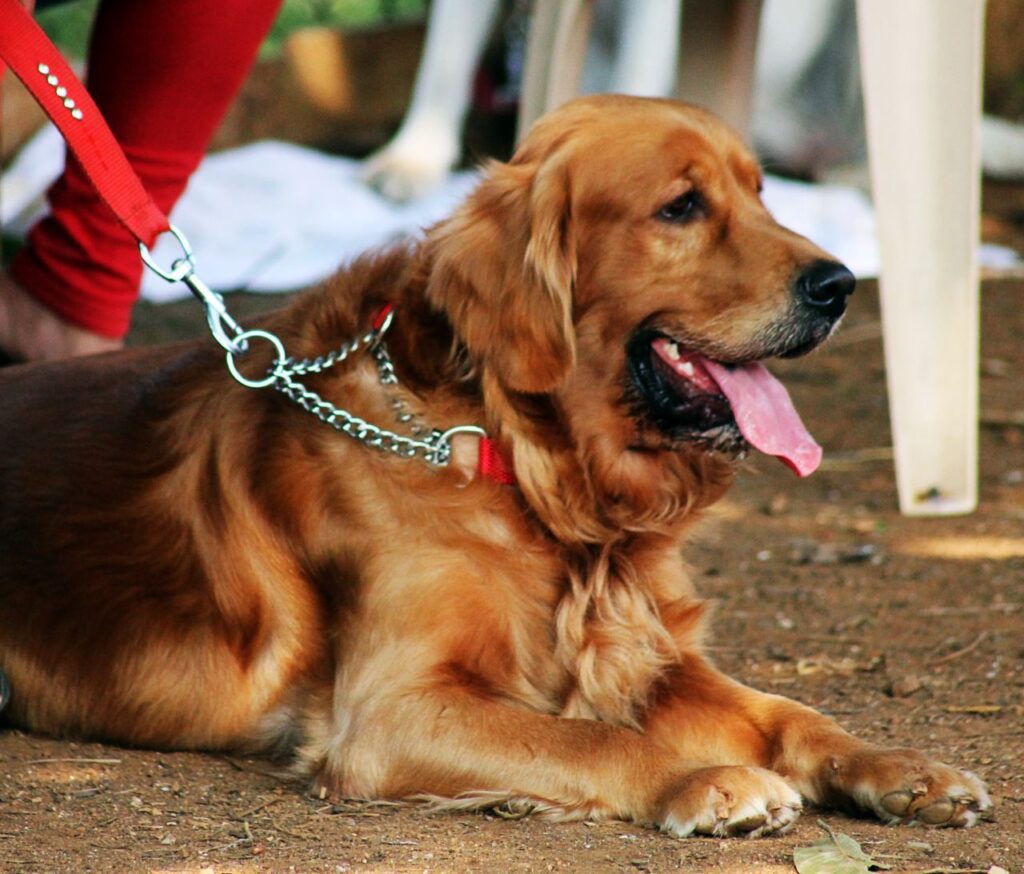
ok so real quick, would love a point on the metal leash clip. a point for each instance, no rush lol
(183, 269)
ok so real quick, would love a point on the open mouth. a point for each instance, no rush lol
(693, 399)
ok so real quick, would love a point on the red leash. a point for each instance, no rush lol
(47, 76)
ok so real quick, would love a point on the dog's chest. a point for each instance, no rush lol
(505, 611)
(613, 645)
(595, 649)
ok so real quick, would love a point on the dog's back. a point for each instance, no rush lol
(120, 579)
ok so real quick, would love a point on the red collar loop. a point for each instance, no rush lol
(493, 464)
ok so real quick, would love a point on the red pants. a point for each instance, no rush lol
(163, 73)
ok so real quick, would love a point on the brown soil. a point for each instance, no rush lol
(908, 631)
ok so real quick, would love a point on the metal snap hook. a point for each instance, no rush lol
(180, 267)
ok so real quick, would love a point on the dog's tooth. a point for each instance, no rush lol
(672, 350)
(686, 369)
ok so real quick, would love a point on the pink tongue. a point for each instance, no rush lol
(765, 415)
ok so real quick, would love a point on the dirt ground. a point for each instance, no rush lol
(908, 631)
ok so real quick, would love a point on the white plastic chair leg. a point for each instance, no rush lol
(921, 66)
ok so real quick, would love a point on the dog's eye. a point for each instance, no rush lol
(685, 208)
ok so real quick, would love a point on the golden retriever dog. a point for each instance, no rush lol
(186, 563)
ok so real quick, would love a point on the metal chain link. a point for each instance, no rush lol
(432, 444)
(404, 414)
(432, 448)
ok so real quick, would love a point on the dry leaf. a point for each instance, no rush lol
(842, 667)
(835, 854)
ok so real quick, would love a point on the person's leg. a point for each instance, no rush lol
(163, 74)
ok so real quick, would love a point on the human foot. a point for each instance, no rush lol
(31, 332)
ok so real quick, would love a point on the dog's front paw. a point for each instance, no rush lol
(731, 801)
(412, 164)
(903, 786)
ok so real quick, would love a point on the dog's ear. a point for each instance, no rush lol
(503, 270)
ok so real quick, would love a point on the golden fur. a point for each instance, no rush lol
(187, 563)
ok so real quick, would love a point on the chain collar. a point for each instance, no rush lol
(431, 444)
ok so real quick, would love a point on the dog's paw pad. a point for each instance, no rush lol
(750, 823)
(897, 803)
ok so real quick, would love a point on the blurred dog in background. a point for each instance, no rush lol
(641, 36)
(808, 116)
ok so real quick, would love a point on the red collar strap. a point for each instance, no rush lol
(49, 79)
(493, 464)
(477, 457)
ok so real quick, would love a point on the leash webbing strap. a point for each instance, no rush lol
(49, 78)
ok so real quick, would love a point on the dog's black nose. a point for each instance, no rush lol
(825, 285)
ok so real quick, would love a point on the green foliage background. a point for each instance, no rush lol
(68, 23)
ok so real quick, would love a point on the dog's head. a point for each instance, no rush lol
(623, 266)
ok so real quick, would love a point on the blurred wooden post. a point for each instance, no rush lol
(921, 63)
(718, 45)
(716, 67)
(555, 51)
